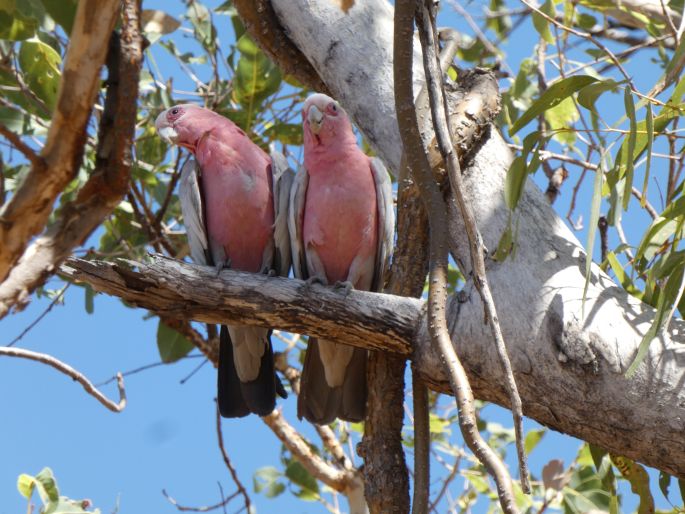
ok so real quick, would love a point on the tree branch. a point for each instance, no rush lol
(231, 469)
(109, 181)
(439, 114)
(187, 291)
(17, 143)
(261, 22)
(73, 373)
(29, 208)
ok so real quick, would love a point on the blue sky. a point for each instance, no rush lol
(165, 438)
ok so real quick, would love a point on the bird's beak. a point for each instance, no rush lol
(165, 130)
(315, 118)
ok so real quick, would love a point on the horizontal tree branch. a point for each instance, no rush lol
(570, 374)
(188, 291)
(28, 210)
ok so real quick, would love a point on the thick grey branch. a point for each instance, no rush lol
(188, 291)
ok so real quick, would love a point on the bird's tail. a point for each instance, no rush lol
(321, 403)
(238, 398)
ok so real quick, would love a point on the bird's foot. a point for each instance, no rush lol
(314, 280)
(222, 266)
(270, 272)
(343, 286)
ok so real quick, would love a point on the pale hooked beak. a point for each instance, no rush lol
(315, 118)
(165, 130)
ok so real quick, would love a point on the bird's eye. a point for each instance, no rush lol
(333, 108)
(174, 111)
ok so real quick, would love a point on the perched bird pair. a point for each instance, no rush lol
(335, 221)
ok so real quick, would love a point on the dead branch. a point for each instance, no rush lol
(72, 373)
(426, 23)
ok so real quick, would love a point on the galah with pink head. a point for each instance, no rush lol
(234, 202)
(341, 223)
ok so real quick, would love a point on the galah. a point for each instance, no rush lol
(234, 201)
(341, 222)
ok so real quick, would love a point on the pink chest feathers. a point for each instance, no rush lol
(340, 220)
(238, 205)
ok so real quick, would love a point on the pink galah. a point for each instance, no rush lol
(341, 223)
(234, 202)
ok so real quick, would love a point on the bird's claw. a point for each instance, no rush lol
(270, 272)
(314, 280)
(222, 266)
(345, 285)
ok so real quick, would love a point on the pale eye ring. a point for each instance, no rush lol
(334, 108)
(175, 111)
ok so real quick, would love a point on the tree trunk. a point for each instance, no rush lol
(569, 363)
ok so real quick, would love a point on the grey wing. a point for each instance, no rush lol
(282, 177)
(298, 196)
(193, 213)
(386, 221)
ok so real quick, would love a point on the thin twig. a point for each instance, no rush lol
(227, 461)
(16, 141)
(183, 508)
(439, 111)
(54, 302)
(435, 205)
(421, 445)
(73, 373)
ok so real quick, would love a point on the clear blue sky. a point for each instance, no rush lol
(165, 438)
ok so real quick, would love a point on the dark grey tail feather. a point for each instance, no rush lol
(238, 399)
(320, 403)
(231, 403)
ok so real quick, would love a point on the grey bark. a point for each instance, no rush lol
(569, 365)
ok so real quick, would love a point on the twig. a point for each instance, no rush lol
(145, 367)
(603, 226)
(227, 461)
(71, 372)
(445, 484)
(421, 445)
(54, 302)
(426, 25)
(16, 141)
(437, 215)
(183, 508)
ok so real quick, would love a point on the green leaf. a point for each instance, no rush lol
(44, 482)
(62, 11)
(255, 79)
(171, 344)
(632, 138)
(655, 237)
(40, 64)
(286, 133)
(639, 482)
(560, 117)
(588, 96)
(540, 22)
(201, 19)
(297, 474)
(515, 181)
(661, 311)
(438, 425)
(554, 95)
(533, 438)
(592, 226)
(267, 479)
(649, 122)
(90, 295)
(664, 483)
